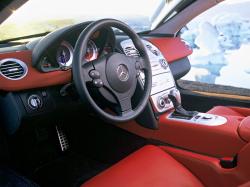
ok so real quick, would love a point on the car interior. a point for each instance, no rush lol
(87, 106)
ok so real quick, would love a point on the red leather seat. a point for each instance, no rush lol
(148, 167)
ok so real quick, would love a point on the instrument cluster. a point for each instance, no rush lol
(60, 56)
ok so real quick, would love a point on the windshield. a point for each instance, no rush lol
(39, 16)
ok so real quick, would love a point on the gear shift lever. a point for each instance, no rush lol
(174, 96)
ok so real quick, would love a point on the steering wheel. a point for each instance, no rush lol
(116, 73)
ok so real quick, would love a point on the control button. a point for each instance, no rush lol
(163, 63)
(207, 117)
(34, 102)
(137, 73)
(44, 93)
(137, 65)
(94, 74)
(161, 102)
(98, 83)
(197, 117)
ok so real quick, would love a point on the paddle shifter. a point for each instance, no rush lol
(179, 112)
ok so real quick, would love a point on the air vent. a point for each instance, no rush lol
(13, 69)
(131, 51)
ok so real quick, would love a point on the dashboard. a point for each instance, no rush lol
(34, 76)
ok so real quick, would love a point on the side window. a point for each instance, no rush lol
(220, 39)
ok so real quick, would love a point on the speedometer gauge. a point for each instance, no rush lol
(64, 55)
(92, 51)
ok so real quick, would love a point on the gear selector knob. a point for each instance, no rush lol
(175, 97)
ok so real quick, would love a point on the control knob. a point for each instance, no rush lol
(34, 102)
(163, 63)
(161, 102)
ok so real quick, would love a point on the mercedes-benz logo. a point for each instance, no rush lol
(122, 72)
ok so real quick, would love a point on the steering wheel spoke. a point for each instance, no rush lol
(94, 72)
(86, 69)
(100, 64)
(140, 63)
(125, 104)
(100, 79)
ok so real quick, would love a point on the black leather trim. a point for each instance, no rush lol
(180, 68)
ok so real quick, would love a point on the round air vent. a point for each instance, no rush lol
(13, 69)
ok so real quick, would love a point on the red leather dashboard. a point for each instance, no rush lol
(34, 78)
(172, 49)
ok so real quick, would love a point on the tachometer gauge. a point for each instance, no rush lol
(92, 51)
(64, 55)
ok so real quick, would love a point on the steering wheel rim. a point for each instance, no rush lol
(82, 71)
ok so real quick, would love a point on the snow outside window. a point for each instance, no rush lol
(220, 39)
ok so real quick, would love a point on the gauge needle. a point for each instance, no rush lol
(63, 54)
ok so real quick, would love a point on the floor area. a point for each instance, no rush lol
(94, 145)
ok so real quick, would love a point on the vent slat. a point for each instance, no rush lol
(13, 68)
(131, 51)
(13, 73)
(9, 67)
(9, 63)
(14, 76)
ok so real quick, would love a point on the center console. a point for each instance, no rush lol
(200, 119)
(208, 133)
(164, 94)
